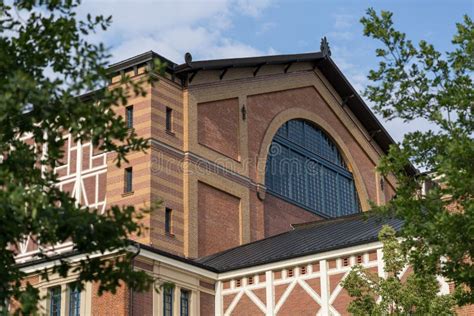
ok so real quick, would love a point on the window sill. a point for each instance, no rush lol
(171, 133)
(127, 193)
(170, 235)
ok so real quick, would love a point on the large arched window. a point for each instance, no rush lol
(305, 167)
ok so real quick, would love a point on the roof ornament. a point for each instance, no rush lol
(188, 58)
(325, 50)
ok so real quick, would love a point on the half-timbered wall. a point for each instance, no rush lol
(305, 286)
(83, 173)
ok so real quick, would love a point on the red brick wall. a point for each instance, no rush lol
(218, 126)
(142, 303)
(167, 94)
(110, 304)
(299, 303)
(167, 187)
(218, 220)
(247, 307)
(33, 280)
(465, 311)
(279, 215)
(206, 304)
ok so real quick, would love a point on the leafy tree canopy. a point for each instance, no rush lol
(395, 294)
(416, 82)
(46, 61)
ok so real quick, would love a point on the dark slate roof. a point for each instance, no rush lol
(219, 64)
(304, 239)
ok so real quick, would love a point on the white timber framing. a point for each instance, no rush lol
(272, 306)
(74, 175)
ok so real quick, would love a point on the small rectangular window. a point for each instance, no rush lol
(250, 280)
(167, 301)
(168, 219)
(184, 303)
(128, 176)
(169, 119)
(129, 116)
(74, 299)
(55, 301)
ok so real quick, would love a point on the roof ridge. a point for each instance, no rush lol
(295, 227)
(331, 220)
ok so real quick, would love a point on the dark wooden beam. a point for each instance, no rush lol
(224, 71)
(288, 67)
(346, 99)
(257, 69)
(192, 76)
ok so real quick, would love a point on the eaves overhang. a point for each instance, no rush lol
(245, 62)
(138, 248)
(140, 60)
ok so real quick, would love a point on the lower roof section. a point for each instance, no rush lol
(305, 239)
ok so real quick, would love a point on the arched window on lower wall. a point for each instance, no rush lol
(305, 167)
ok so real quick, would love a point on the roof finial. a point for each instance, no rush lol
(188, 58)
(325, 50)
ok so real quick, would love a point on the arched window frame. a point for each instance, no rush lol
(330, 191)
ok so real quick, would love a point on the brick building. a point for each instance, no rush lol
(263, 166)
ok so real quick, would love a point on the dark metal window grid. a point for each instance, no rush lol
(184, 311)
(74, 300)
(167, 301)
(128, 180)
(129, 116)
(55, 301)
(305, 167)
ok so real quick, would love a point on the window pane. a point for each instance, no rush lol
(184, 303)
(55, 301)
(169, 119)
(167, 301)
(304, 166)
(168, 213)
(128, 176)
(129, 116)
(74, 300)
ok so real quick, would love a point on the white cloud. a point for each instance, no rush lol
(253, 7)
(172, 28)
(265, 27)
(341, 35)
(343, 21)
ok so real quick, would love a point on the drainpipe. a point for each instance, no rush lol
(137, 252)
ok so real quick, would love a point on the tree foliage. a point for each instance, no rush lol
(391, 295)
(46, 61)
(416, 82)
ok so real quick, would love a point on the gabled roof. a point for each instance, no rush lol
(320, 60)
(305, 239)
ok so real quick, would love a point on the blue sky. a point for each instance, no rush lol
(236, 28)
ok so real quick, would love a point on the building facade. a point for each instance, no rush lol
(262, 166)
